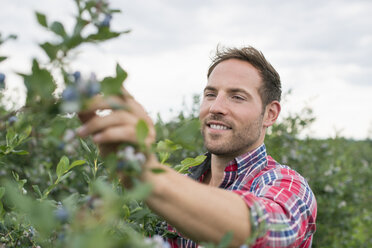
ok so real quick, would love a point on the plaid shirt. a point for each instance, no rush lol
(282, 205)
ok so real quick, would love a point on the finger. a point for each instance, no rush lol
(116, 134)
(120, 134)
(86, 116)
(98, 123)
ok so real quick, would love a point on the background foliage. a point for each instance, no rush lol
(57, 192)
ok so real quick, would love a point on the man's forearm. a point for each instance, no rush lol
(198, 211)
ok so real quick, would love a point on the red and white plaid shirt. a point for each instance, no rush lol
(282, 206)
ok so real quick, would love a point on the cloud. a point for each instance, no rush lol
(322, 49)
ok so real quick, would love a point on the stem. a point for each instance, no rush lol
(95, 169)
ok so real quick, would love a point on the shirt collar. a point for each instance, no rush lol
(245, 163)
(251, 160)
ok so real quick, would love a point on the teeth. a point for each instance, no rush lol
(219, 127)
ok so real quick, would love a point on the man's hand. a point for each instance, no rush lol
(117, 127)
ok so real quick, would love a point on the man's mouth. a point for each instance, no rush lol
(218, 126)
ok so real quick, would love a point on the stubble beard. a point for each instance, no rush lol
(236, 143)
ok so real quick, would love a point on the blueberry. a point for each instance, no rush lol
(77, 76)
(90, 202)
(31, 231)
(61, 146)
(61, 214)
(70, 94)
(2, 77)
(12, 119)
(121, 164)
(106, 21)
(2, 81)
(61, 236)
(93, 88)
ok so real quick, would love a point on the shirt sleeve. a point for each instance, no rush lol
(282, 208)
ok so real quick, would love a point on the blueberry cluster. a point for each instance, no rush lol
(106, 21)
(161, 228)
(61, 214)
(80, 90)
(13, 119)
(69, 143)
(2, 81)
(130, 161)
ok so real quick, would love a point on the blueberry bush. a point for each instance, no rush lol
(57, 191)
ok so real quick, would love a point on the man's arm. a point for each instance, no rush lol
(198, 211)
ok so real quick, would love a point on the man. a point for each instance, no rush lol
(239, 188)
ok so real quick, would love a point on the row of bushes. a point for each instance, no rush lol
(56, 191)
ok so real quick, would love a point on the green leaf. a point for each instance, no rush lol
(163, 156)
(2, 191)
(2, 58)
(76, 163)
(120, 73)
(112, 86)
(58, 28)
(73, 41)
(63, 177)
(189, 162)
(37, 190)
(41, 19)
(167, 146)
(157, 170)
(104, 34)
(25, 133)
(10, 137)
(79, 26)
(3, 148)
(226, 240)
(50, 49)
(38, 213)
(139, 214)
(164, 148)
(40, 85)
(15, 175)
(126, 211)
(85, 146)
(20, 152)
(187, 134)
(62, 166)
(142, 130)
(48, 190)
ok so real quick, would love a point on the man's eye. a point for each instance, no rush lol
(237, 97)
(209, 94)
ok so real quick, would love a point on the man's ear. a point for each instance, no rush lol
(272, 111)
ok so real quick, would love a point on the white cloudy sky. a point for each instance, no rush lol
(321, 49)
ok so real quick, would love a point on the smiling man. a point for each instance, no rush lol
(238, 188)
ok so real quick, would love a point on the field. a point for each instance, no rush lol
(56, 191)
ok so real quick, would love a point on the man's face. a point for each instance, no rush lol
(231, 111)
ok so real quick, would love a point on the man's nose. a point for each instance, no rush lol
(219, 105)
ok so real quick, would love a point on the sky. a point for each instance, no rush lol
(321, 49)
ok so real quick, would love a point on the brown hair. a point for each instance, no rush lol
(271, 87)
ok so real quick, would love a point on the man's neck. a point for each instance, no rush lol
(220, 162)
(218, 165)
